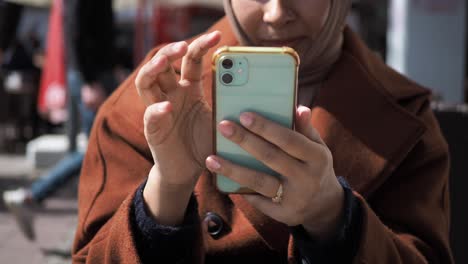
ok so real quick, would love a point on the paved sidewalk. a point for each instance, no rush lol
(55, 221)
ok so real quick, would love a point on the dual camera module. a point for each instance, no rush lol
(227, 77)
(233, 70)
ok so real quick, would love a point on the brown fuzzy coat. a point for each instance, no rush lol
(384, 139)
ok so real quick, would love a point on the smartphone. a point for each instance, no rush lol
(254, 79)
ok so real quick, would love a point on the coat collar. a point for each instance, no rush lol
(356, 108)
(358, 117)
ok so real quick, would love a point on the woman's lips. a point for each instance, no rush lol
(289, 42)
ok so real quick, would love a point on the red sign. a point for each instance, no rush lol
(52, 91)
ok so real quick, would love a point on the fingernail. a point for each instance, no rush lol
(213, 164)
(177, 46)
(212, 34)
(246, 119)
(226, 129)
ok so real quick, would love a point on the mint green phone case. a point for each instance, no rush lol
(264, 81)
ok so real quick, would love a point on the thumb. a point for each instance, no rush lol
(304, 124)
(158, 122)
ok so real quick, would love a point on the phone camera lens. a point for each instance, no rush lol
(227, 63)
(227, 78)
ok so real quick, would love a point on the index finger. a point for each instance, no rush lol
(192, 62)
(291, 142)
(146, 81)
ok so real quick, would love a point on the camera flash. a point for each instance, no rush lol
(240, 71)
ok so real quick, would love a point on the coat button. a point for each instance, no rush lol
(214, 224)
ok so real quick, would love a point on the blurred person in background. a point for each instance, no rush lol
(19, 76)
(9, 18)
(364, 175)
(89, 36)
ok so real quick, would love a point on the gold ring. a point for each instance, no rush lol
(279, 195)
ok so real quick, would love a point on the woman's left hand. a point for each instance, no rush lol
(311, 194)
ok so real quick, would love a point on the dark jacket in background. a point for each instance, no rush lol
(89, 34)
(10, 15)
(89, 37)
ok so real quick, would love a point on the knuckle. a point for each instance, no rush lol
(301, 171)
(138, 81)
(328, 154)
(149, 115)
(165, 71)
(289, 139)
(258, 181)
(325, 155)
(328, 158)
(227, 170)
(241, 137)
(141, 76)
(192, 46)
(269, 155)
(301, 208)
(194, 58)
(195, 53)
(259, 125)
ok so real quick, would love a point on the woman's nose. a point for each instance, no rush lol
(277, 12)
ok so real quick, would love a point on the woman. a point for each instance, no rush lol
(146, 194)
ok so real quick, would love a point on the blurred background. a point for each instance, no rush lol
(60, 59)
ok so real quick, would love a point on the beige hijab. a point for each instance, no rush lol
(324, 53)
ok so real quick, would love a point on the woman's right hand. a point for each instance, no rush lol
(177, 126)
